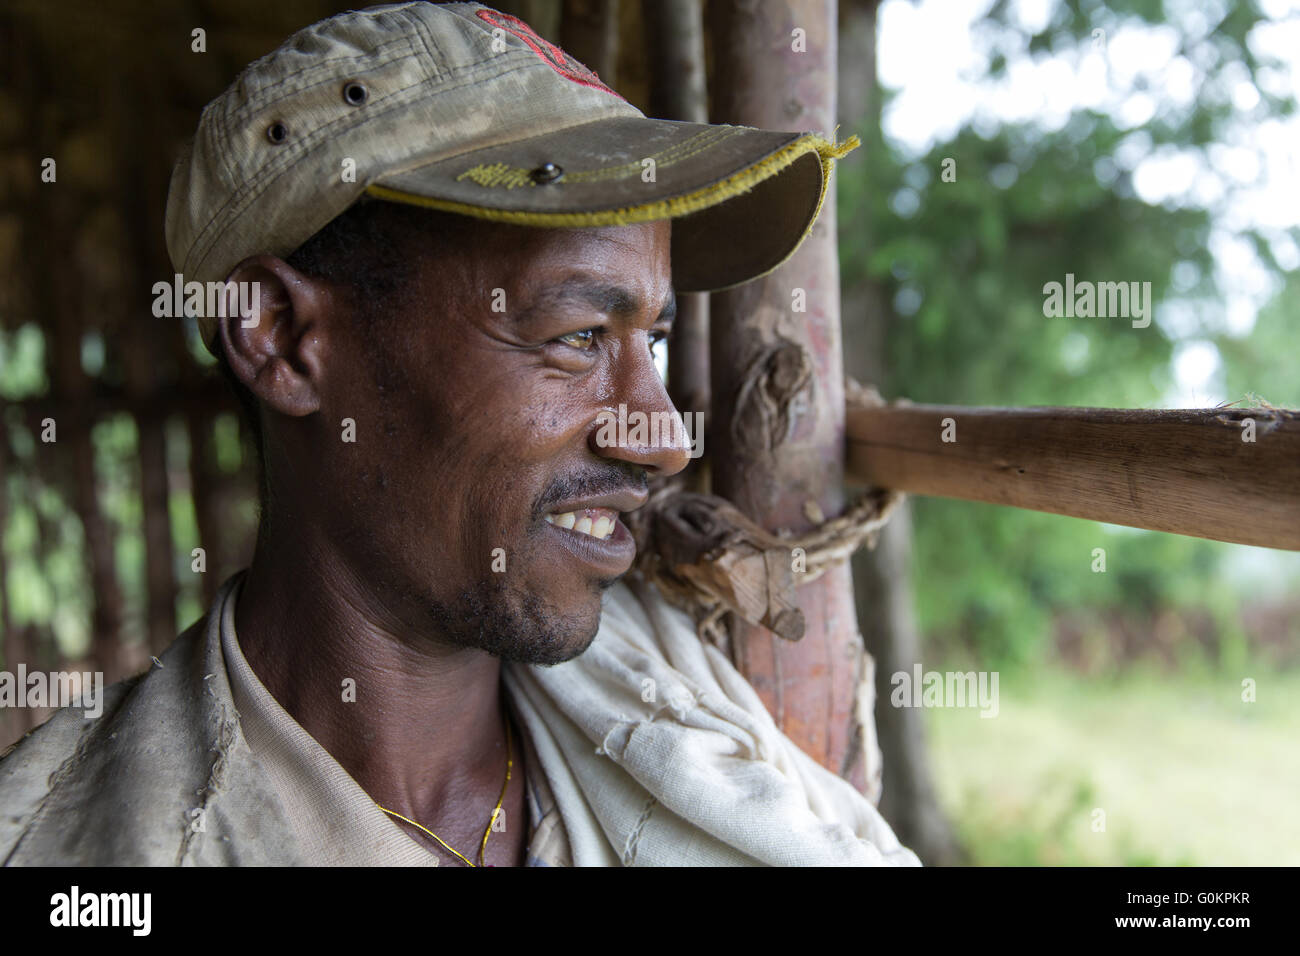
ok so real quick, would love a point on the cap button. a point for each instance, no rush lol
(547, 173)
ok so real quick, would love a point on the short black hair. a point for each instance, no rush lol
(372, 250)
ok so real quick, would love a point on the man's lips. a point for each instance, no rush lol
(594, 516)
(607, 557)
(591, 531)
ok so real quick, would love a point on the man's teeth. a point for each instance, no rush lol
(601, 526)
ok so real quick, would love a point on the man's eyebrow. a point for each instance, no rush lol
(607, 297)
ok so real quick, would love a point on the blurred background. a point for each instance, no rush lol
(1120, 140)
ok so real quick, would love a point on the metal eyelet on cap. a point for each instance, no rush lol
(277, 133)
(355, 94)
(547, 173)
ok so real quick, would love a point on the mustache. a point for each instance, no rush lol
(606, 480)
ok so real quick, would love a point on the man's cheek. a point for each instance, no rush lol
(523, 559)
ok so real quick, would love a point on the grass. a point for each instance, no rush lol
(1185, 772)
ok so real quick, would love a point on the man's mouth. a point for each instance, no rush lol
(590, 531)
(596, 522)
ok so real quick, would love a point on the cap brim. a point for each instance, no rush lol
(741, 199)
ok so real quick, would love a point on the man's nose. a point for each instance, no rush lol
(641, 426)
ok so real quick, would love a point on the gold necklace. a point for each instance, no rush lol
(495, 810)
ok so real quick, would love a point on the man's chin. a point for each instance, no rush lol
(566, 634)
(523, 628)
(546, 647)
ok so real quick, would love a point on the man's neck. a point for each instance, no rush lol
(417, 723)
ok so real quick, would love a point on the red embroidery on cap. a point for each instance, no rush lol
(551, 55)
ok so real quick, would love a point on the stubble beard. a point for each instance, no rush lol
(515, 627)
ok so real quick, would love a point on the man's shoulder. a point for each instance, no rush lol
(60, 736)
(31, 766)
(136, 784)
(44, 774)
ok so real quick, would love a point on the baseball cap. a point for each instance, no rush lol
(461, 108)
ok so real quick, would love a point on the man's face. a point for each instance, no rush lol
(477, 505)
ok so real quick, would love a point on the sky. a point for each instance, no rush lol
(934, 54)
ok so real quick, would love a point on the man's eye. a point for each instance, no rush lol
(659, 353)
(580, 340)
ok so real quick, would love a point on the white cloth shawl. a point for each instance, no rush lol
(660, 753)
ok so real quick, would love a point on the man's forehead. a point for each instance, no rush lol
(601, 242)
(623, 270)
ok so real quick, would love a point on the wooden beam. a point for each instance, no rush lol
(206, 393)
(1186, 471)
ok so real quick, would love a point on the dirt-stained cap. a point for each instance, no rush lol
(461, 108)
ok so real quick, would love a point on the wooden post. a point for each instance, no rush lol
(811, 687)
(143, 177)
(589, 34)
(675, 43)
(882, 583)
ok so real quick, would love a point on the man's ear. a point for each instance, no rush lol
(276, 333)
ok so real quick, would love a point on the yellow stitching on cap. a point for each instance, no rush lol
(498, 174)
(734, 185)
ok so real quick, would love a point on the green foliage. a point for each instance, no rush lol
(22, 362)
(1264, 363)
(963, 264)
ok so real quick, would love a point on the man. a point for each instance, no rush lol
(457, 265)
